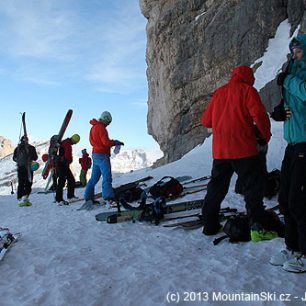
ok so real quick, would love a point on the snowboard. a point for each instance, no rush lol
(54, 145)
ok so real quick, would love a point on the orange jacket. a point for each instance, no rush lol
(99, 139)
(232, 112)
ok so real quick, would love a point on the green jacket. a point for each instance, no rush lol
(294, 91)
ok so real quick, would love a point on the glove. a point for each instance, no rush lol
(118, 143)
(288, 113)
(281, 78)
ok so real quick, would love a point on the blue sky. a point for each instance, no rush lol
(85, 55)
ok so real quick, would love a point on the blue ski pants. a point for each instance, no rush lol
(101, 166)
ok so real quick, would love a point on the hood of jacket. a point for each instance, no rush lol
(243, 74)
(301, 40)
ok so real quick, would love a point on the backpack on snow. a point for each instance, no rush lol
(129, 192)
(236, 228)
(167, 187)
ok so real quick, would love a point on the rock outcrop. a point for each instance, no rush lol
(191, 48)
(5, 146)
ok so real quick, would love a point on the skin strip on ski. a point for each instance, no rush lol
(170, 208)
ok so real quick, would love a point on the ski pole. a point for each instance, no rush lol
(203, 178)
(12, 187)
(196, 186)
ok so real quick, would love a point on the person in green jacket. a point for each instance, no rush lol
(292, 195)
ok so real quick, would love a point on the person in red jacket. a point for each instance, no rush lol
(101, 145)
(231, 114)
(64, 159)
(85, 162)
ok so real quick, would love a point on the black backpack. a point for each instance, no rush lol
(22, 156)
(167, 187)
(272, 184)
(236, 228)
(129, 192)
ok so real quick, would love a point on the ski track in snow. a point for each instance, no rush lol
(65, 257)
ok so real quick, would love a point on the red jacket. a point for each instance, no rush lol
(232, 112)
(84, 161)
(99, 139)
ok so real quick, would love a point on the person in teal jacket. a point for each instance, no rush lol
(292, 195)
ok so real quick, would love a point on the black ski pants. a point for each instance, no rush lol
(24, 185)
(64, 173)
(250, 171)
(292, 196)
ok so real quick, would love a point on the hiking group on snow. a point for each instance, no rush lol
(240, 131)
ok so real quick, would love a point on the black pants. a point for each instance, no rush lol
(64, 173)
(292, 196)
(250, 171)
(239, 187)
(24, 185)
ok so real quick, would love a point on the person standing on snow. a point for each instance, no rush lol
(231, 113)
(64, 159)
(23, 155)
(292, 194)
(85, 162)
(101, 145)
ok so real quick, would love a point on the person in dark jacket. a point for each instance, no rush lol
(63, 170)
(101, 145)
(292, 194)
(231, 113)
(24, 155)
(85, 162)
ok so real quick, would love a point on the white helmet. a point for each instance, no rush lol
(106, 117)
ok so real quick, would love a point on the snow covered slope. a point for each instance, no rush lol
(66, 258)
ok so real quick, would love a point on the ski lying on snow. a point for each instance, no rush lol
(223, 215)
(120, 188)
(170, 208)
(11, 239)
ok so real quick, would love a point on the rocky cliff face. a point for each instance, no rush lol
(5, 147)
(192, 47)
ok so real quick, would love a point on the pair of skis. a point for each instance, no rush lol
(26, 141)
(136, 213)
(198, 221)
(54, 145)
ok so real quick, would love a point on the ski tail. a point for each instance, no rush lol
(65, 124)
(53, 147)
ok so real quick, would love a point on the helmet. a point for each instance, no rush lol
(45, 157)
(106, 117)
(75, 138)
(84, 151)
(34, 165)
